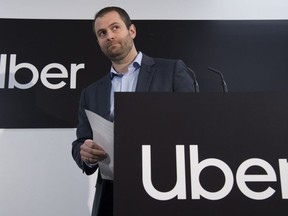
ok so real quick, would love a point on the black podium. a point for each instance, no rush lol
(201, 154)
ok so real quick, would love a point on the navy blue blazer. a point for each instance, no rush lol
(156, 75)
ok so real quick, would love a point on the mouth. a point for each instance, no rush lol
(112, 45)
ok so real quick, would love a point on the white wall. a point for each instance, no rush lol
(38, 176)
(149, 9)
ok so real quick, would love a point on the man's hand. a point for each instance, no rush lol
(92, 153)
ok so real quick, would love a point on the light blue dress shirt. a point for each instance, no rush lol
(125, 82)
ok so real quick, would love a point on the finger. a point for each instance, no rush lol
(92, 160)
(88, 151)
(91, 144)
(93, 154)
(88, 161)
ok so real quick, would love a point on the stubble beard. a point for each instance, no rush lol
(119, 53)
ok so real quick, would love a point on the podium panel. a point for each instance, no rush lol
(201, 154)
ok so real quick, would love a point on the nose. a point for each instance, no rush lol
(110, 35)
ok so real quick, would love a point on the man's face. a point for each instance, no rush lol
(115, 40)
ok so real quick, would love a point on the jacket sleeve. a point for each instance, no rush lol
(183, 82)
(84, 132)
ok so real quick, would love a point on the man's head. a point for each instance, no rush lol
(115, 33)
(122, 13)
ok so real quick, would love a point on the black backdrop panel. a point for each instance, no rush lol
(251, 54)
(233, 128)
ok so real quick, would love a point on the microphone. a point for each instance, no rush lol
(224, 85)
(193, 75)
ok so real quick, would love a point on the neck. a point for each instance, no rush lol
(121, 66)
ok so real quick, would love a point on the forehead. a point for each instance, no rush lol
(106, 20)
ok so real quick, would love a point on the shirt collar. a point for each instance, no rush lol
(136, 64)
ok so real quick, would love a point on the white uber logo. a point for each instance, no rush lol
(44, 74)
(197, 167)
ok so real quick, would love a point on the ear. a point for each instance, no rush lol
(132, 31)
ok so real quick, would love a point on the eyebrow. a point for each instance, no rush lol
(102, 29)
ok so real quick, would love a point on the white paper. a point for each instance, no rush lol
(103, 135)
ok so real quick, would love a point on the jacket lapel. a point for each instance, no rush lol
(146, 74)
(105, 89)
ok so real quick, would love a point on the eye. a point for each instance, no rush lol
(101, 33)
(115, 28)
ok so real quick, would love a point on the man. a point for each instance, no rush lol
(130, 71)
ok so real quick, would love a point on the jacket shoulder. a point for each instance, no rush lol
(102, 81)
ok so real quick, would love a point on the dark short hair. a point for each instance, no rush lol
(123, 14)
